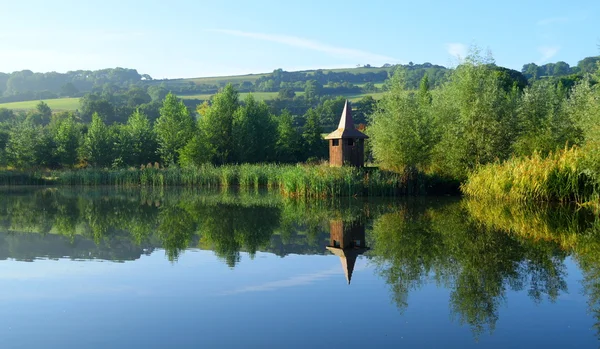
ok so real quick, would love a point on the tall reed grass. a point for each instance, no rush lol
(560, 176)
(302, 181)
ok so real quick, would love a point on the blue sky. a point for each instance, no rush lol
(169, 39)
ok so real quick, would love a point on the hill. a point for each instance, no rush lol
(58, 104)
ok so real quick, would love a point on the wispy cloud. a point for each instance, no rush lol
(359, 55)
(457, 50)
(552, 20)
(547, 53)
(300, 280)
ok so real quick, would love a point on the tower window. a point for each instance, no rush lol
(335, 142)
(350, 141)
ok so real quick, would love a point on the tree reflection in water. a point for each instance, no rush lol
(479, 251)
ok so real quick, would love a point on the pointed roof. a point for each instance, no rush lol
(346, 126)
(347, 258)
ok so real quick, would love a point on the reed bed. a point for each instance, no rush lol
(301, 181)
(559, 177)
(14, 178)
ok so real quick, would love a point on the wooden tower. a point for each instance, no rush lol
(347, 144)
(347, 241)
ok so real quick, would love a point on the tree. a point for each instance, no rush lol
(216, 124)
(544, 123)
(403, 131)
(98, 144)
(21, 145)
(477, 117)
(286, 93)
(289, 141)
(68, 90)
(93, 103)
(66, 136)
(6, 115)
(174, 128)
(41, 115)
(255, 132)
(314, 144)
(142, 139)
(364, 108)
(330, 111)
(157, 92)
(312, 90)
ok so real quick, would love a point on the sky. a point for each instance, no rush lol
(195, 38)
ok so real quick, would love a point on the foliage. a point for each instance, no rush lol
(174, 128)
(403, 130)
(254, 132)
(98, 144)
(314, 144)
(216, 125)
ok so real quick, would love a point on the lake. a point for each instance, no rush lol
(105, 268)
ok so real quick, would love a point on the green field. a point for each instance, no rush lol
(71, 104)
(265, 96)
(222, 80)
(59, 104)
(236, 79)
(260, 96)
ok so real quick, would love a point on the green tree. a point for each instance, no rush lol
(477, 117)
(364, 108)
(174, 128)
(142, 139)
(286, 93)
(544, 123)
(158, 92)
(41, 115)
(98, 144)
(66, 137)
(21, 146)
(312, 90)
(289, 142)
(216, 124)
(403, 131)
(254, 131)
(314, 144)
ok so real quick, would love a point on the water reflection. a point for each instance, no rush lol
(347, 241)
(478, 251)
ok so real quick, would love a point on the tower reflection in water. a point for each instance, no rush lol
(347, 241)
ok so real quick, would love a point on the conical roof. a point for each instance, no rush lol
(346, 126)
(347, 258)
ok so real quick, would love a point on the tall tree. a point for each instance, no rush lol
(174, 128)
(142, 139)
(289, 141)
(21, 145)
(403, 131)
(66, 137)
(98, 145)
(544, 123)
(254, 132)
(478, 115)
(314, 144)
(216, 124)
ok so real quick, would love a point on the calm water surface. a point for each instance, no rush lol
(187, 269)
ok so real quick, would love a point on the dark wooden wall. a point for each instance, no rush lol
(347, 154)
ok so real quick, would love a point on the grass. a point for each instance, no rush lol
(560, 176)
(221, 80)
(236, 79)
(259, 96)
(299, 181)
(265, 96)
(58, 104)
